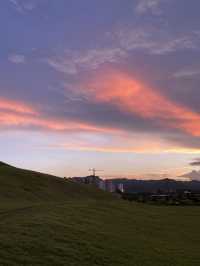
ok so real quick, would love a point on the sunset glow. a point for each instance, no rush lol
(100, 84)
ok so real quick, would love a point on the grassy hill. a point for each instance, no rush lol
(24, 185)
(45, 220)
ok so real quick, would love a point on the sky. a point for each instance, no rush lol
(110, 84)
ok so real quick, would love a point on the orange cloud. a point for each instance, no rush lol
(9, 105)
(123, 144)
(17, 114)
(147, 148)
(131, 95)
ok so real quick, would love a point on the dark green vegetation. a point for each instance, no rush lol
(48, 221)
(171, 199)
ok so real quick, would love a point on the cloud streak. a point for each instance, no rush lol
(72, 62)
(23, 5)
(155, 41)
(16, 107)
(152, 6)
(16, 58)
(135, 97)
(18, 115)
(195, 162)
(187, 73)
(124, 40)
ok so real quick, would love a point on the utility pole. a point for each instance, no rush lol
(93, 170)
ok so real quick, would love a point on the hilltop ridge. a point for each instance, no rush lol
(3, 164)
(20, 184)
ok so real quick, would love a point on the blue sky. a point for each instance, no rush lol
(106, 84)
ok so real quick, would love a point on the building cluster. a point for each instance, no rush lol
(106, 185)
(167, 191)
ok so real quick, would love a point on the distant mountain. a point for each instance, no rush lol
(194, 175)
(152, 186)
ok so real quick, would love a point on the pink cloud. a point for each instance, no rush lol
(133, 96)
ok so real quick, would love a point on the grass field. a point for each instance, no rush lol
(48, 221)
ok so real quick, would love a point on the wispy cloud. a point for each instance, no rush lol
(195, 162)
(16, 58)
(187, 73)
(194, 175)
(23, 5)
(148, 39)
(156, 41)
(120, 144)
(72, 61)
(152, 6)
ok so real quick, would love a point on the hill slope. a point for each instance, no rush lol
(47, 221)
(18, 184)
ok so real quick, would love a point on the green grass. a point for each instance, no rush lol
(48, 221)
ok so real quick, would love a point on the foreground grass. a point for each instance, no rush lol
(48, 221)
(93, 232)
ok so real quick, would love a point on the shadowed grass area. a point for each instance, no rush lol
(48, 221)
(18, 185)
